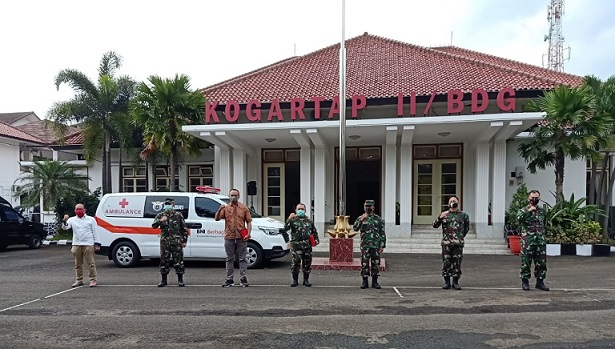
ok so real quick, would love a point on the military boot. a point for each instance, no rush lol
(163, 280)
(306, 280)
(364, 285)
(540, 284)
(525, 285)
(295, 280)
(447, 283)
(456, 284)
(375, 282)
(180, 280)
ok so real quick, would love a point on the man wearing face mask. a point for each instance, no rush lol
(237, 218)
(455, 226)
(85, 242)
(301, 228)
(173, 239)
(531, 221)
(373, 242)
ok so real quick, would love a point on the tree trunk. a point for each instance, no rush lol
(601, 180)
(559, 175)
(591, 196)
(172, 160)
(121, 176)
(107, 187)
(607, 206)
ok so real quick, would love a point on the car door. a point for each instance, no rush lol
(208, 240)
(10, 225)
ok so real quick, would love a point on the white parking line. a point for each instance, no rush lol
(19, 305)
(396, 290)
(55, 294)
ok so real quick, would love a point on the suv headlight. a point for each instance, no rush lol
(269, 231)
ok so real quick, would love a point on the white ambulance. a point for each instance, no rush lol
(126, 233)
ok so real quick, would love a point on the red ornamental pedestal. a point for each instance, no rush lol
(340, 250)
(340, 257)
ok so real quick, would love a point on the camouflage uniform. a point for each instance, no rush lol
(454, 230)
(173, 234)
(300, 246)
(372, 239)
(533, 244)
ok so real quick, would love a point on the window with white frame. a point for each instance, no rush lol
(200, 175)
(133, 179)
(163, 178)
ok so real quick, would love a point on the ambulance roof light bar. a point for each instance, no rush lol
(206, 189)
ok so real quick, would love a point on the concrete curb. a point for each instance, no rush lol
(57, 242)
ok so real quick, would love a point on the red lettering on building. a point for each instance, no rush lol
(428, 106)
(317, 101)
(231, 115)
(454, 102)
(256, 114)
(400, 104)
(484, 97)
(335, 107)
(275, 111)
(358, 102)
(296, 107)
(506, 99)
(210, 112)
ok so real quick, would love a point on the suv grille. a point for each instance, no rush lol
(284, 234)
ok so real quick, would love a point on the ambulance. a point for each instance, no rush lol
(126, 234)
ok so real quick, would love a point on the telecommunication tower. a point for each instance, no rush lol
(555, 37)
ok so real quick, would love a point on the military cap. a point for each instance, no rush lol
(369, 203)
(168, 200)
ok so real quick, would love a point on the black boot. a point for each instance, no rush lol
(540, 284)
(163, 280)
(525, 285)
(364, 285)
(456, 284)
(375, 282)
(295, 280)
(306, 280)
(447, 283)
(180, 280)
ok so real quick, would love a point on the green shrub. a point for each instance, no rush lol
(519, 201)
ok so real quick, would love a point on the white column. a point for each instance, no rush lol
(320, 181)
(406, 184)
(481, 197)
(390, 178)
(216, 167)
(305, 178)
(225, 170)
(498, 191)
(239, 174)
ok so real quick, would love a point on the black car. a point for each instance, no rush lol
(16, 230)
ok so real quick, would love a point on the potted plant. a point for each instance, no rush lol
(511, 227)
(588, 234)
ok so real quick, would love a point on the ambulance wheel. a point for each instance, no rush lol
(126, 254)
(255, 256)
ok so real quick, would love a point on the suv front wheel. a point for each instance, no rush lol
(125, 254)
(35, 241)
(255, 256)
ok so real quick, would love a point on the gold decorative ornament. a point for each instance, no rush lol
(342, 228)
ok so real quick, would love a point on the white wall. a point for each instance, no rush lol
(544, 181)
(9, 158)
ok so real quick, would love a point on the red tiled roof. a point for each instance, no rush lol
(43, 129)
(74, 139)
(9, 131)
(379, 68)
(10, 118)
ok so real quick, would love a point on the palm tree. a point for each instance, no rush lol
(572, 128)
(51, 180)
(162, 107)
(95, 107)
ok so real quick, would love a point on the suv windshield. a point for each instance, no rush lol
(252, 212)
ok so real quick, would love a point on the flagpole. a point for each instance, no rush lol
(342, 104)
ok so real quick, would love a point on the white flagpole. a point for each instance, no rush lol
(342, 99)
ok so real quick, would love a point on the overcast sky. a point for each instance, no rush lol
(211, 41)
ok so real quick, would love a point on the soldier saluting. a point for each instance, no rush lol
(173, 238)
(301, 230)
(531, 221)
(455, 226)
(373, 242)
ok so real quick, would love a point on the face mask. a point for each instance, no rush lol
(168, 207)
(535, 201)
(301, 213)
(369, 210)
(234, 199)
(454, 205)
(80, 212)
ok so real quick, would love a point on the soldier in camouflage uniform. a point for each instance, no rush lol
(455, 226)
(531, 220)
(373, 242)
(173, 238)
(301, 228)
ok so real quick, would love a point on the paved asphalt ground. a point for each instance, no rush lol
(38, 309)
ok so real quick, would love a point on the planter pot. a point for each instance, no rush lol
(584, 250)
(569, 249)
(601, 250)
(554, 250)
(515, 244)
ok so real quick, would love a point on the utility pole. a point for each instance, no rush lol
(555, 55)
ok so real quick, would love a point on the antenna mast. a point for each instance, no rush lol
(555, 37)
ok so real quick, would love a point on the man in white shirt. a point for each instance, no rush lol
(85, 241)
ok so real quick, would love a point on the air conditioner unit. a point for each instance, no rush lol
(15, 188)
